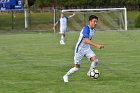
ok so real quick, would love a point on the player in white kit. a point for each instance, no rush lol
(63, 26)
(83, 48)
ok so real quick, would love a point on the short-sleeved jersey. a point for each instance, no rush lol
(63, 22)
(86, 32)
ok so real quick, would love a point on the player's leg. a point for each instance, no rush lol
(62, 39)
(71, 71)
(77, 62)
(62, 33)
(94, 61)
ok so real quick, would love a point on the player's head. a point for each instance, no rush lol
(62, 14)
(93, 21)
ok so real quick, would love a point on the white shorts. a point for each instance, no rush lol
(78, 56)
(62, 30)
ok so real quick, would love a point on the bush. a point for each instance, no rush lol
(137, 21)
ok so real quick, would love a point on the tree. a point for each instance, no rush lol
(85, 3)
(31, 2)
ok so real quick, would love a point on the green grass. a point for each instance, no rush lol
(36, 62)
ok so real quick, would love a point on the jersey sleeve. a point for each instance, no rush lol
(86, 32)
(59, 20)
(66, 17)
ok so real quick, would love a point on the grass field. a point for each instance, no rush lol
(35, 63)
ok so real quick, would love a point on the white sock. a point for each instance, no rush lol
(62, 37)
(94, 64)
(71, 71)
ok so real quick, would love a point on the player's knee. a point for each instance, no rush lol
(96, 60)
(77, 68)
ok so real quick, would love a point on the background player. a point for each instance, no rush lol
(83, 48)
(63, 26)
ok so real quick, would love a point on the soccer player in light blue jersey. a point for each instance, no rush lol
(63, 26)
(83, 48)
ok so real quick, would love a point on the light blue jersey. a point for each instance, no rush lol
(86, 32)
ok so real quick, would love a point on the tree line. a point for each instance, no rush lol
(130, 4)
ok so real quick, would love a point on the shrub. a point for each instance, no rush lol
(137, 21)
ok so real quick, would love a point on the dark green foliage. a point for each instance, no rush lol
(137, 21)
(86, 3)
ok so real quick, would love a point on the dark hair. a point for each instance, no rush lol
(92, 17)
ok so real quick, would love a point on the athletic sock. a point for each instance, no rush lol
(94, 64)
(71, 71)
(62, 37)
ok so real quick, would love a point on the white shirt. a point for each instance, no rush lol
(86, 32)
(63, 22)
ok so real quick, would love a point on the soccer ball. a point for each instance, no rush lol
(94, 73)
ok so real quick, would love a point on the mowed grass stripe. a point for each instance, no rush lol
(35, 63)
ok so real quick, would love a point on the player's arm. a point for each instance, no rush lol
(71, 15)
(88, 41)
(55, 23)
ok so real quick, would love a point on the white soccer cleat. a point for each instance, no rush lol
(62, 42)
(65, 78)
(88, 73)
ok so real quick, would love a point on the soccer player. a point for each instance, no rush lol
(83, 48)
(63, 26)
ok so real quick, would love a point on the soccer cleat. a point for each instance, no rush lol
(62, 42)
(88, 73)
(65, 78)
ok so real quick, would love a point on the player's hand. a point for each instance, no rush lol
(99, 46)
(53, 27)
